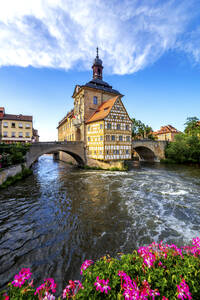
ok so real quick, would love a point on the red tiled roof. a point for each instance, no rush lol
(166, 129)
(103, 110)
(17, 117)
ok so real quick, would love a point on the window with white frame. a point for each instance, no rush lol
(20, 125)
(5, 134)
(20, 134)
(13, 134)
(5, 124)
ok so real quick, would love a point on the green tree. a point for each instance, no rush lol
(185, 149)
(192, 127)
(140, 130)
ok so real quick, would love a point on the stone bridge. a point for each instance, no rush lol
(149, 150)
(75, 149)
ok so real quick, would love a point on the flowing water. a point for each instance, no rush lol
(59, 216)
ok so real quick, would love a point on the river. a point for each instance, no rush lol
(59, 216)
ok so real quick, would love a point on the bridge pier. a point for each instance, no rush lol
(56, 156)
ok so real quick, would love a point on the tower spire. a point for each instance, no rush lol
(97, 67)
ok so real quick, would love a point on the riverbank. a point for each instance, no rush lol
(170, 161)
(9, 176)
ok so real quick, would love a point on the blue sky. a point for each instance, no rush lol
(150, 51)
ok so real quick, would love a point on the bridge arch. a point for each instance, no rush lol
(145, 153)
(149, 150)
(74, 149)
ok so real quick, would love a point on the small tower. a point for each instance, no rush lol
(97, 67)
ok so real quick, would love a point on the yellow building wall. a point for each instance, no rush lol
(66, 131)
(95, 140)
(166, 136)
(26, 133)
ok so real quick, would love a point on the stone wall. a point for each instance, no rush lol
(67, 158)
(92, 162)
(105, 164)
(9, 172)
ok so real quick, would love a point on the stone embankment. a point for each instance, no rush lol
(9, 172)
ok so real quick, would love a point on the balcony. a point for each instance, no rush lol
(77, 122)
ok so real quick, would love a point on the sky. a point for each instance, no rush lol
(150, 51)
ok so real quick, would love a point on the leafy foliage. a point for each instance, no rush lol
(12, 154)
(192, 126)
(185, 149)
(158, 271)
(140, 130)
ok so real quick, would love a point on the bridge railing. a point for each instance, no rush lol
(57, 143)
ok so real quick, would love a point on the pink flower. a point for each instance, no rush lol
(183, 290)
(105, 287)
(20, 278)
(85, 265)
(72, 288)
(48, 296)
(154, 293)
(46, 287)
(102, 285)
(6, 297)
(196, 242)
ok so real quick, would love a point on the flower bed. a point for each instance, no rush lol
(158, 271)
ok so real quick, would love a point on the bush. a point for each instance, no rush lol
(185, 149)
(156, 271)
(12, 154)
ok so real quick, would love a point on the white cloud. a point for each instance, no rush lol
(131, 34)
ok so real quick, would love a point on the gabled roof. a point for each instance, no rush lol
(166, 129)
(103, 110)
(17, 117)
